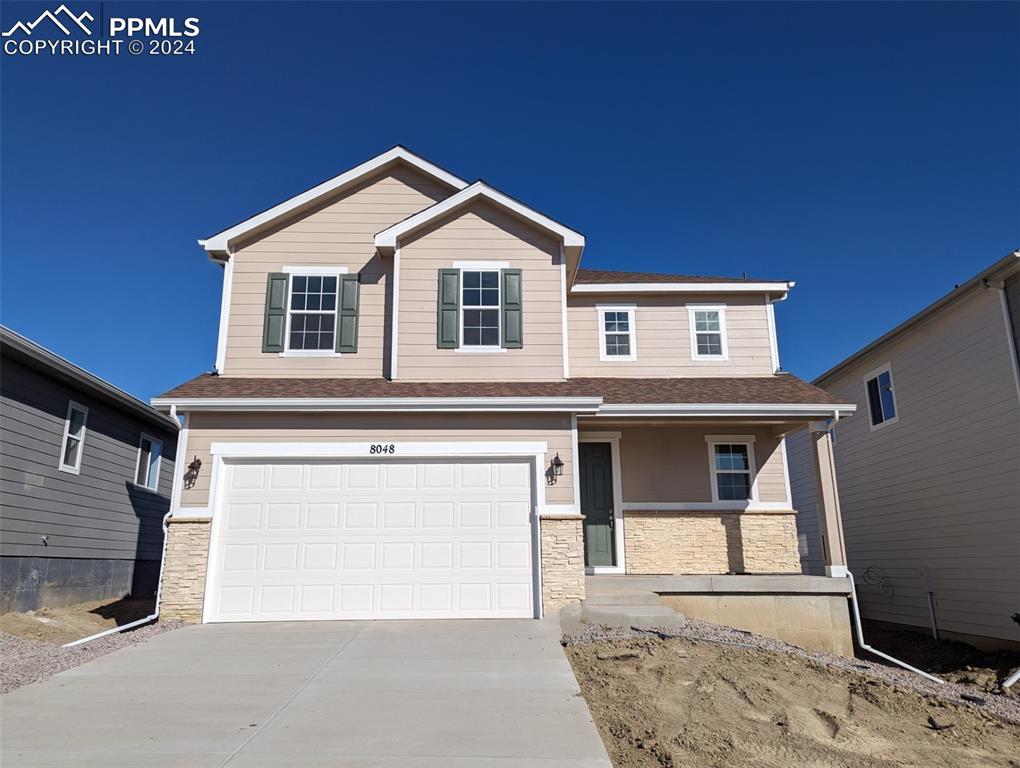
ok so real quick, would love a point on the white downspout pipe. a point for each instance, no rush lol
(148, 619)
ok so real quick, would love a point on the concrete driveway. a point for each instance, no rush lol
(410, 693)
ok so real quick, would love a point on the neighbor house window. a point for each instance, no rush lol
(149, 454)
(732, 464)
(480, 308)
(312, 313)
(881, 396)
(617, 337)
(708, 332)
(74, 437)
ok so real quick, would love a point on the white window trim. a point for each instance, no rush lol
(746, 440)
(721, 309)
(72, 405)
(138, 462)
(885, 367)
(310, 271)
(631, 310)
(480, 266)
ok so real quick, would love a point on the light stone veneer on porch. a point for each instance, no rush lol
(562, 561)
(711, 542)
(187, 556)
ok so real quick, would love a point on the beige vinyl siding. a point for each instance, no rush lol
(339, 233)
(207, 428)
(939, 490)
(663, 337)
(671, 464)
(480, 232)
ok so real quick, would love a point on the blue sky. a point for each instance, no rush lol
(868, 151)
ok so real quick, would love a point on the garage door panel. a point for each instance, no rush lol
(384, 540)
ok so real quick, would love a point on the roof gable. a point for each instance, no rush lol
(219, 245)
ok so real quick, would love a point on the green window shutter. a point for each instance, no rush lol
(448, 321)
(276, 313)
(347, 314)
(513, 316)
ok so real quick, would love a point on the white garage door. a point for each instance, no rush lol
(373, 541)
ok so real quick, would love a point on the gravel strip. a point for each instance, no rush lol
(24, 661)
(1006, 707)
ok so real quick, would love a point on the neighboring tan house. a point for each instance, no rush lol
(424, 407)
(86, 472)
(929, 470)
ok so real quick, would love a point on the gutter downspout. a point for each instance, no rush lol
(140, 622)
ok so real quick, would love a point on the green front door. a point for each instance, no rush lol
(596, 467)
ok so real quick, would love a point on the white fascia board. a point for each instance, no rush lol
(364, 450)
(387, 239)
(386, 404)
(682, 287)
(220, 242)
(798, 410)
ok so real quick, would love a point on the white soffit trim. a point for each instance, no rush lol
(219, 242)
(682, 287)
(364, 450)
(385, 404)
(387, 239)
(724, 409)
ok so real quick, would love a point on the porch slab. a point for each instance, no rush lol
(778, 584)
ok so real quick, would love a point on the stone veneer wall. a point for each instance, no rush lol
(711, 542)
(187, 556)
(562, 562)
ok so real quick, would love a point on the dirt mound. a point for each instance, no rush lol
(695, 704)
(73, 622)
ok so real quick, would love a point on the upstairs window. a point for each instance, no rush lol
(708, 332)
(881, 397)
(617, 338)
(732, 464)
(74, 437)
(150, 452)
(480, 308)
(311, 319)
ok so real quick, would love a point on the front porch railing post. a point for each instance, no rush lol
(830, 519)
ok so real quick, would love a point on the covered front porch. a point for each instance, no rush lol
(665, 495)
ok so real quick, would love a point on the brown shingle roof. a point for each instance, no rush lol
(612, 276)
(784, 389)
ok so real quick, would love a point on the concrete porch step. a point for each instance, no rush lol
(613, 597)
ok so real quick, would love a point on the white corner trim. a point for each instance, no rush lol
(74, 469)
(395, 322)
(600, 318)
(180, 465)
(220, 242)
(386, 404)
(682, 287)
(387, 239)
(474, 266)
(575, 467)
(362, 450)
(221, 339)
(837, 571)
(723, 340)
(752, 464)
(192, 513)
(706, 506)
(563, 314)
(561, 511)
(770, 316)
(786, 470)
(315, 270)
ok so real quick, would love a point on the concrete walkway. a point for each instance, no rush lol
(434, 694)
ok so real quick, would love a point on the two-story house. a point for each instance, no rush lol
(424, 407)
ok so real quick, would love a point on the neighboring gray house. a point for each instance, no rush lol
(929, 468)
(86, 472)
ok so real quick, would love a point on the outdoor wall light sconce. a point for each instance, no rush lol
(557, 467)
(192, 474)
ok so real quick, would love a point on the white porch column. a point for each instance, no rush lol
(830, 519)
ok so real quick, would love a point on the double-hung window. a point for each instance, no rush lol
(150, 452)
(617, 336)
(74, 437)
(708, 332)
(480, 308)
(311, 314)
(881, 396)
(731, 460)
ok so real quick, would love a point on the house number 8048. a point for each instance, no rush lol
(382, 448)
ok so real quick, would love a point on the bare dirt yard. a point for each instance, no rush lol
(682, 701)
(31, 643)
